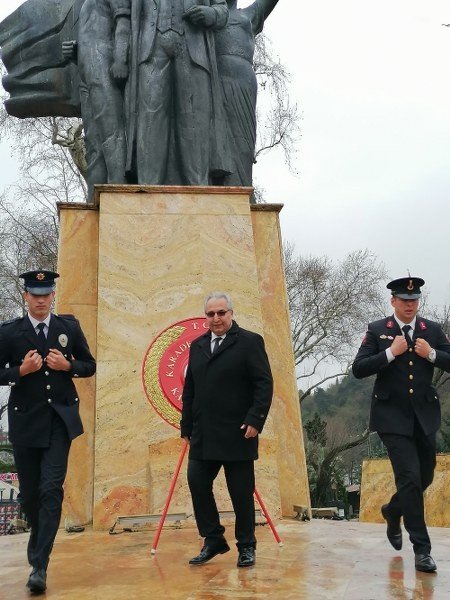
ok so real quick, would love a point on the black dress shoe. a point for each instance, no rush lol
(393, 532)
(209, 552)
(37, 581)
(425, 563)
(246, 557)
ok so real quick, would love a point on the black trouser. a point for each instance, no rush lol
(240, 478)
(41, 474)
(413, 460)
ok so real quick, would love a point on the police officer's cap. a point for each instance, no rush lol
(40, 282)
(407, 288)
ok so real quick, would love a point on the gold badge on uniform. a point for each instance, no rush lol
(63, 339)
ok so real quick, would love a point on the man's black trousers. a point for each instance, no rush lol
(413, 460)
(41, 474)
(240, 478)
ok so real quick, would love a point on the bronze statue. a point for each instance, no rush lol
(171, 99)
(101, 53)
(235, 46)
(166, 88)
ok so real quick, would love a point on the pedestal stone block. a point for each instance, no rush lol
(149, 256)
(377, 487)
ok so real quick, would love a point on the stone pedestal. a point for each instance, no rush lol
(377, 487)
(140, 260)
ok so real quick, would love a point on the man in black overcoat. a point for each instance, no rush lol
(226, 398)
(402, 351)
(40, 354)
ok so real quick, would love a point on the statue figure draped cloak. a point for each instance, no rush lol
(39, 80)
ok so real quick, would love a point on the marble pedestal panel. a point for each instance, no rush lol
(160, 251)
(377, 487)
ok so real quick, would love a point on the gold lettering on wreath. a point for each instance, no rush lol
(151, 378)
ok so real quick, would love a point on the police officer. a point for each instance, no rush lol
(402, 351)
(40, 353)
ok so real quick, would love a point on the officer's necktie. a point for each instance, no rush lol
(216, 345)
(406, 329)
(41, 334)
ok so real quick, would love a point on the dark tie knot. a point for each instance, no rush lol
(406, 329)
(41, 335)
(217, 341)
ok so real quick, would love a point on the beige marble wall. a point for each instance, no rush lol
(290, 450)
(161, 250)
(159, 255)
(377, 486)
(77, 294)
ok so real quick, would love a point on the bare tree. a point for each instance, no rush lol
(330, 304)
(326, 445)
(50, 152)
(278, 118)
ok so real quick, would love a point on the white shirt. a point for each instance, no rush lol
(35, 323)
(389, 354)
(214, 336)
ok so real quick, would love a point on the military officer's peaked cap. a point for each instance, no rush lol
(407, 288)
(40, 282)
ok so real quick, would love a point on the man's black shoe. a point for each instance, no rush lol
(393, 532)
(425, 563)
(209, 552)
(37, 581)
(246, 557)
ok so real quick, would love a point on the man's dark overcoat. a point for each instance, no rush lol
(403, 388)
(34, 397)
(222, 392)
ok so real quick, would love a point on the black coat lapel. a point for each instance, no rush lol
(420, 329)
(29, 333)
(229, 340)
(392, 326)
(205, 344)
(53, 332)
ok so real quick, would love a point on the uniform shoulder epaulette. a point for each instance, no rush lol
(10, 321)
(71, 317)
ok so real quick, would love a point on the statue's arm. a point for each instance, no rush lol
(258, 13)
(214, 16)
(267, 6)
(122, 29)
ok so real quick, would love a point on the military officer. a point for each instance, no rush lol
(40, 354)
(402, 351)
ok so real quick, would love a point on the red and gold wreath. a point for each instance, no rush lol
(164, 367)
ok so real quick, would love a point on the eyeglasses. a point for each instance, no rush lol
(220, 313)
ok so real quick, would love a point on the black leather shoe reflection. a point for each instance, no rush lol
(209, 552)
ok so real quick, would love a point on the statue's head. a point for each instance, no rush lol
(232, 3)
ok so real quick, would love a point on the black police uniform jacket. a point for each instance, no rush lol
(403, 388)
(222, 392)
(34, 396)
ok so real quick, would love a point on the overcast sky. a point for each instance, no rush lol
(372, 80)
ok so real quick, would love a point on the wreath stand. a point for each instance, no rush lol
(170, 494)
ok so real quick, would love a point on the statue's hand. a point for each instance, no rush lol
(69, 49)
(119, 71)
(203, 16)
